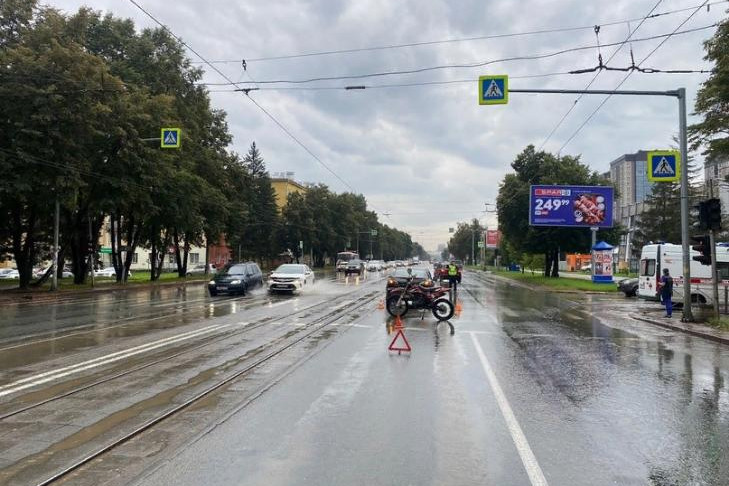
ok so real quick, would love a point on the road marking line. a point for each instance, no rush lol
(103, 360)
(536, 476)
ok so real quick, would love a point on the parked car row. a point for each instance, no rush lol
(13, 274)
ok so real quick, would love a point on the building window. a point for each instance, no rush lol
(135, 257)
(194, 258)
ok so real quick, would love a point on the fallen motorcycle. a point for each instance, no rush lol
(425, 295)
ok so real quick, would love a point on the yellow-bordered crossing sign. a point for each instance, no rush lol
(493, 90)
(170, 138)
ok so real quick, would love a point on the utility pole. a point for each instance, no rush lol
(91, 252)
(687, 315)
(473, 237)
(54, 277)
(714, 212)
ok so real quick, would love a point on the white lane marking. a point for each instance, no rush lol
(536, 476)
(41, 378)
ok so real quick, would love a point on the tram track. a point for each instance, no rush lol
(227, 334)
(265, 354)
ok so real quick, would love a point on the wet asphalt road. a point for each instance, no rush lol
(625, 403)
(531, 388)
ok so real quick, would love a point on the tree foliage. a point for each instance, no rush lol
(328, 223)
(464, 241)
(712, 100)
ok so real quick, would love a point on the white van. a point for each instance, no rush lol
(654, 258)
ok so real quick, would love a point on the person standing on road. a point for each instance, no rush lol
(453, 275)
(666, 286)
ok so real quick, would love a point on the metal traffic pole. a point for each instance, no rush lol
(54, 277)
(687, 315)
(680, 94)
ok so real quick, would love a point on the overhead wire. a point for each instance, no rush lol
(448, 82)
(460, 65)
(594, 112)
(614, 53)
(454, 40)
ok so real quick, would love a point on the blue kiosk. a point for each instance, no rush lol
(602, 263)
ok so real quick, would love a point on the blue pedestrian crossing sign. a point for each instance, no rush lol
(493, 90)
(664, 165)
(170, 138)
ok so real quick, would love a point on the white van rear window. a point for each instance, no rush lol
(647, 268)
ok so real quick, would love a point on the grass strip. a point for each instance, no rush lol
(560, 283)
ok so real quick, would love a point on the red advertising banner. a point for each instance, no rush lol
(493, 238)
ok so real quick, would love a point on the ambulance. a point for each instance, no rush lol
(654, 258)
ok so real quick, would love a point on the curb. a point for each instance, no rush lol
(688, 328)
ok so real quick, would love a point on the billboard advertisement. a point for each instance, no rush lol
(493, 238)
(579, 206)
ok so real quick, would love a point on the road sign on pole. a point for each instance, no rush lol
(170, 138)
(664, 165)
(493, 90)
(373, 232)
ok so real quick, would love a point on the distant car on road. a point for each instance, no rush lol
(236, 279)
(354, 266)
(629, 286)
(290, 277)
(374, 266)
(400, 276)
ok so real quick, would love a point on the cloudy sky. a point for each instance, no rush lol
(428, 155)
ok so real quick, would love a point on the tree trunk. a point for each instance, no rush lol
(24, 244)
(547, 263)
(555, 264)
(133, 234)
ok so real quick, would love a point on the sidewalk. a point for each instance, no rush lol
(674, 323)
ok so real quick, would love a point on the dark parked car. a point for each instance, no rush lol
(355, 266)
(400, 276)
(236, 279)
(629, 287)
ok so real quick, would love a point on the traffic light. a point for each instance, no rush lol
(703, 208)
(703, 247)
(713, 210)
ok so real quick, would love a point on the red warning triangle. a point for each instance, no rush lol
(397, 347)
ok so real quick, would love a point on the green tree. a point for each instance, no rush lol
(255, 234)
(464, 241)
(712, 100)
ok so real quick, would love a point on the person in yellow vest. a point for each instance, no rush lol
(453, 274)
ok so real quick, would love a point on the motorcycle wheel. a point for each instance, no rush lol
(394, 309)
(443, 309)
